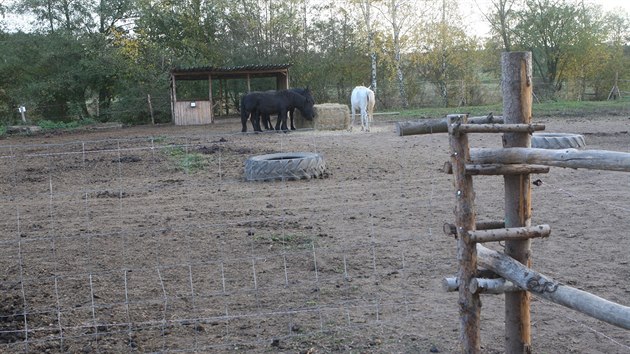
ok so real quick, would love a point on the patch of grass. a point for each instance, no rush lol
(3, 130)
(186, 161)
(542, 109)
(50, 125)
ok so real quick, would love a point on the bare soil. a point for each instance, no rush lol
(148, 239)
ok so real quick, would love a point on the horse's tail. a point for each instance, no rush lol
(370, 104)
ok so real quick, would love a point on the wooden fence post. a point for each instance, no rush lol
(516, 72)
(469, 303)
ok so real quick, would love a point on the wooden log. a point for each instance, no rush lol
(451, 229)
(481, 285)
(570, 158)
(547, 288)
(492, 286)
(512, 233)
(499, 128)
(517, 90)
(469, 303)
(431, 126)
(497, 169)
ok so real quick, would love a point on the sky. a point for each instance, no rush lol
(471, 10)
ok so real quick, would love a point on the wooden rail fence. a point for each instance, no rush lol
(511, 274)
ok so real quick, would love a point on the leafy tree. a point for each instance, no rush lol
(446, 55)
(51, 84)
(558, 33)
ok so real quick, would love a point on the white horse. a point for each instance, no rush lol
(362, 99)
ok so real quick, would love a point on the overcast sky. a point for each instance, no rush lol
(471, 11)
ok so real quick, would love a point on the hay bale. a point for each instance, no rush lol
(328, 116)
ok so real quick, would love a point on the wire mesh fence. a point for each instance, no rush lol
(157, 244)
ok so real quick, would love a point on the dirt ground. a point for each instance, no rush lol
(148, 239)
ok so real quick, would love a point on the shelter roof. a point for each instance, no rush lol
(230, 72)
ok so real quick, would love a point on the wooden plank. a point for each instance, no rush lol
(547, 288)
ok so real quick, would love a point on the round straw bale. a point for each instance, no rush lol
(328, 116)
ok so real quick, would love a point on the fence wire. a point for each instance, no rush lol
(157, 244)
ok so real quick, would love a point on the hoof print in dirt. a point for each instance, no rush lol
(285, 166)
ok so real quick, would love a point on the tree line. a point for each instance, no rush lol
(101, 59)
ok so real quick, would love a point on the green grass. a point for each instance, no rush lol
(543, 109)
(186, 161)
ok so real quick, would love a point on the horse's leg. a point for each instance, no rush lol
(291, 111)
(278, 122)
(351, 120)
(362, 118)
(256, 121)
(244, 117)
(282, 116)
(265, 121)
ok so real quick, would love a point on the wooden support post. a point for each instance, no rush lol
(150, 108)
(517, 89)
(210, 98)
(469, 303)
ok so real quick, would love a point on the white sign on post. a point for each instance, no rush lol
(22, 110)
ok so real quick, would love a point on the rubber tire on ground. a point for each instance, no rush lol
(284, 166)
(557, 141)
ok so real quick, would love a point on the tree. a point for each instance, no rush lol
(401, 16)
(366, 11)
(501, 20)
(446, 54)
(557, 33)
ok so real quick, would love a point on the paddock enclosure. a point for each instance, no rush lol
(149, 239)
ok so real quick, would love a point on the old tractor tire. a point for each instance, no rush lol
(284, 166)
(557, 141)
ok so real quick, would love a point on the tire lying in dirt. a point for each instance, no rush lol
(284, 166)
(557, 141)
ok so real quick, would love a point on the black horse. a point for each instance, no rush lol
(264, 104)
(266, 119)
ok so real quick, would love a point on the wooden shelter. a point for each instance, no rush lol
(189, 112)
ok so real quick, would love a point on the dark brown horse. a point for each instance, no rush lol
(264, 104)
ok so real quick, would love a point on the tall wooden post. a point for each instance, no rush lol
(469, 303)
(516, 72)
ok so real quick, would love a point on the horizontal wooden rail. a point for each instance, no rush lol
(512, 233)
(430, 126)
(498, 128)
(497, 169)
(481, 285)
(542, 286)
(451, 230)
(571, 158)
